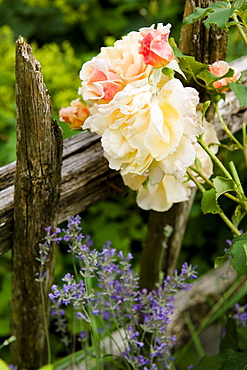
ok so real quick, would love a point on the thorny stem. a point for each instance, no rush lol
(244, 143)
(226, 129)
(240, 29)
(198, 184)
(214, 158)
(237, 180)
(228, 195)
(229, 224)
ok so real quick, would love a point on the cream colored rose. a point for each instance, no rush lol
(113, 68)
(75, 115)
(100, 81)
(147, 131)
(159, 197)
(125, 58)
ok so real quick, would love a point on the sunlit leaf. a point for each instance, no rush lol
(196, 15)
(219, 17)
(218, 13)
(3, 365)
(209, 203)
(223, 185)
(240, 91)
(47, 367)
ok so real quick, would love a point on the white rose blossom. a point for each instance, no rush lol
(112, 69)
(146, 131)
(147, 121)
(160, 197)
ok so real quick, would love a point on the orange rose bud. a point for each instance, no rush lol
(155, 47)
(219, 69)
(75, 115)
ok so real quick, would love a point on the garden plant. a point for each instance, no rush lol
(139, 96)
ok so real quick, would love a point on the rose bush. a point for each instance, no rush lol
(147, 119)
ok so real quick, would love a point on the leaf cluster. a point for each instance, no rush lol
(199, 73)
(217, 13)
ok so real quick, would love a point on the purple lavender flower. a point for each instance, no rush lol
(82, 335)
(117, 300)
(241, 314)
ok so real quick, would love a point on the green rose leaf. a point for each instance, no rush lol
(239, 254)
(218, 13)
(209, 202)
(220, 17)
(219, 261)
(240, 91)
(198, 14)
(223, 185)
(196, 70)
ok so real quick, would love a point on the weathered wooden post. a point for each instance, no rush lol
(206, 46)
(37, 188)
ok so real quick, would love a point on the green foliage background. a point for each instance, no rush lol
(64, 34)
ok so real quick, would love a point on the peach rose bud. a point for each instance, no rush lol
(155, 47)
(219, 69)
(75, 115)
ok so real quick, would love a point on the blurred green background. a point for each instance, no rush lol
(64, 34)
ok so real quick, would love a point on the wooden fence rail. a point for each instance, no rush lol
(86, 180)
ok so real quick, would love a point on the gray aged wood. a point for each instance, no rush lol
(86, 180)
(206, 45)
(36, 194)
